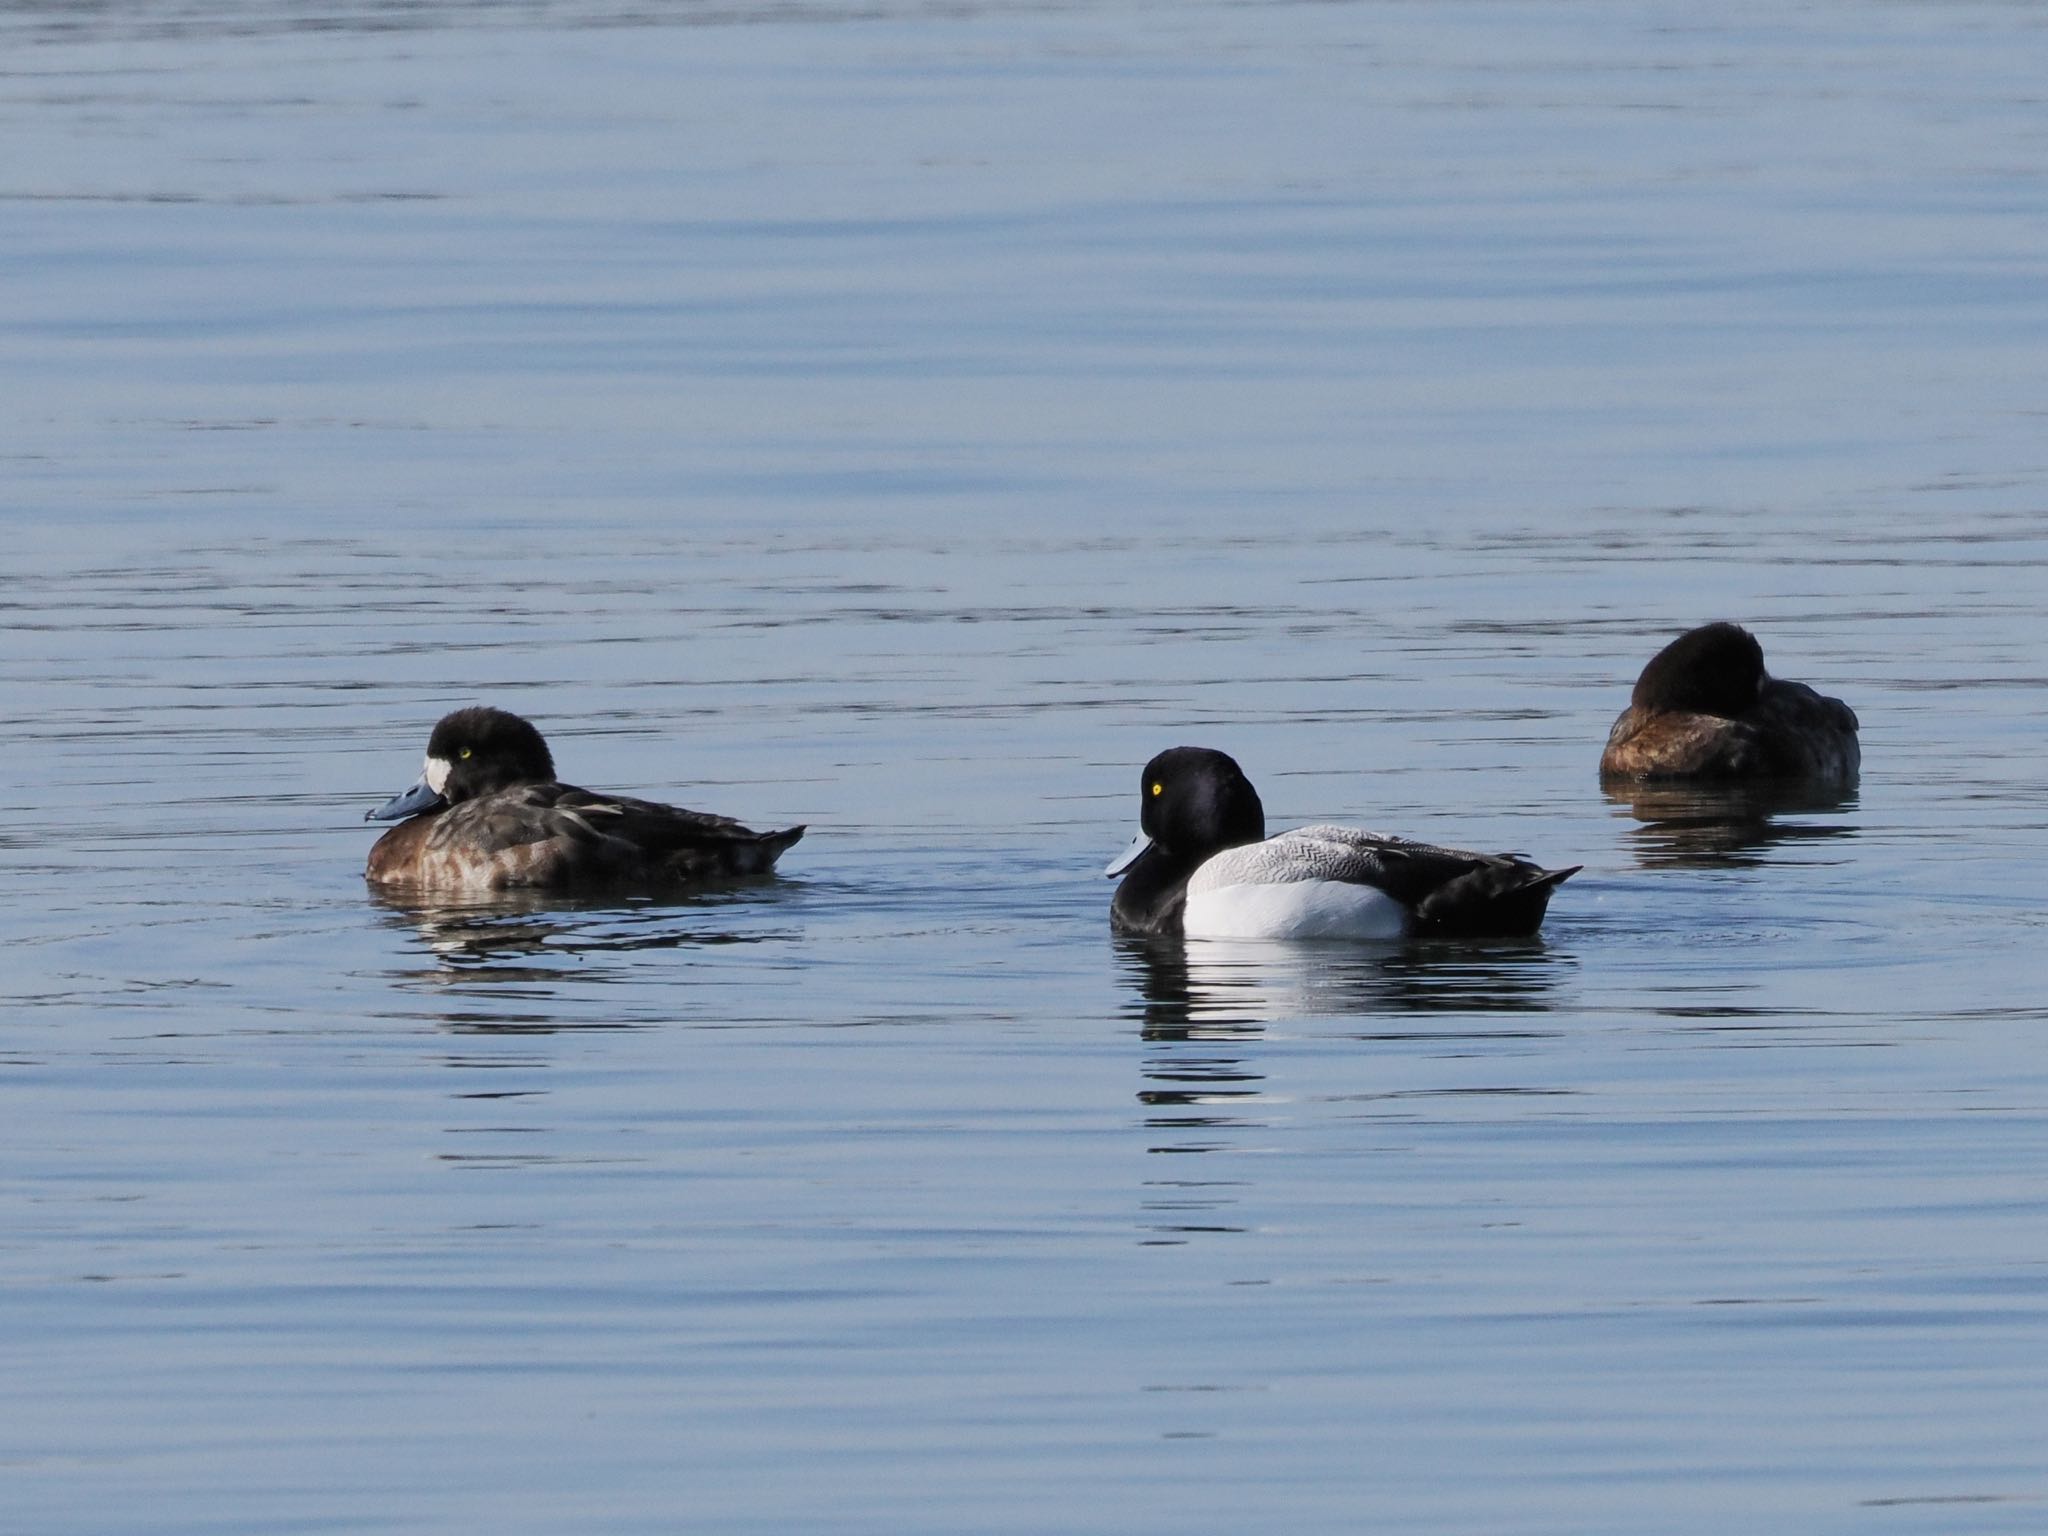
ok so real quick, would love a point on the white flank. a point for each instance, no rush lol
(1296, 909)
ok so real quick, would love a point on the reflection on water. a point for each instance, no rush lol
(1205, 1007)
(477, 932)
(1210, 988)
(1202, 1087)
(881, 424)
(515, 950)
(1692, 825)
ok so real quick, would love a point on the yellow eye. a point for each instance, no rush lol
(1158, 789)
(465, 751)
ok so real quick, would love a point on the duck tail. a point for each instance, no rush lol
(772, 845)
(1491, 901)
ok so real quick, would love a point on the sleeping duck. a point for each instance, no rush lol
(488, 815)
(1203, 867)
(1704, 708)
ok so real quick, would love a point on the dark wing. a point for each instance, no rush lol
(648, 836)
(645, 823)
(1806, 732)
(557, 835)
(1450, 890)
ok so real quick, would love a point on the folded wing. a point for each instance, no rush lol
(1450, 891)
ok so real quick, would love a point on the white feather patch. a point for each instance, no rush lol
(1293, 909)
(1316, 882)
(437, 774)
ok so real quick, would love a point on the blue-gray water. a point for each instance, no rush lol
(906, 419)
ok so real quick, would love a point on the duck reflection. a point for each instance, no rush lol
(518, 947)
(1201, 1089)
(1203, 1008)
(1206, 988)
(1719, 825)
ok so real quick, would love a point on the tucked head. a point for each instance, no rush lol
(473, 752)
(1717, 669)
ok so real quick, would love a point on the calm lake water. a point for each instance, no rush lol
(905, 419)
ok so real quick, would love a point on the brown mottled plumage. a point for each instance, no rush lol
(491, 817)
(1705, 708)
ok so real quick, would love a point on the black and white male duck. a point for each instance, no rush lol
(489, 815)
(1203, 867)
(1705, 709)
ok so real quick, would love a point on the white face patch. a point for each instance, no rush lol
(437, 774)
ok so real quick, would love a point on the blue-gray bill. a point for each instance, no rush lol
(1128, 857)
(421, 797)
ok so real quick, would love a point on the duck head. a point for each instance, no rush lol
(472, 752)
(1717, 669)
(1193, 802)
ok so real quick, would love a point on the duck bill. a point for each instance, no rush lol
(1128, 857)
(421, 797)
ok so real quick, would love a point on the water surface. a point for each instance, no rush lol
(906, 419)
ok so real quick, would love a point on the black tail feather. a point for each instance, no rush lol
(1495, 900)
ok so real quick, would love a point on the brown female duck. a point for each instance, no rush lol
(489, 815)
(1705, 708)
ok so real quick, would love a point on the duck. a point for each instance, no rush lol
(489, 815)
(1203, 867)
(1705, 709)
